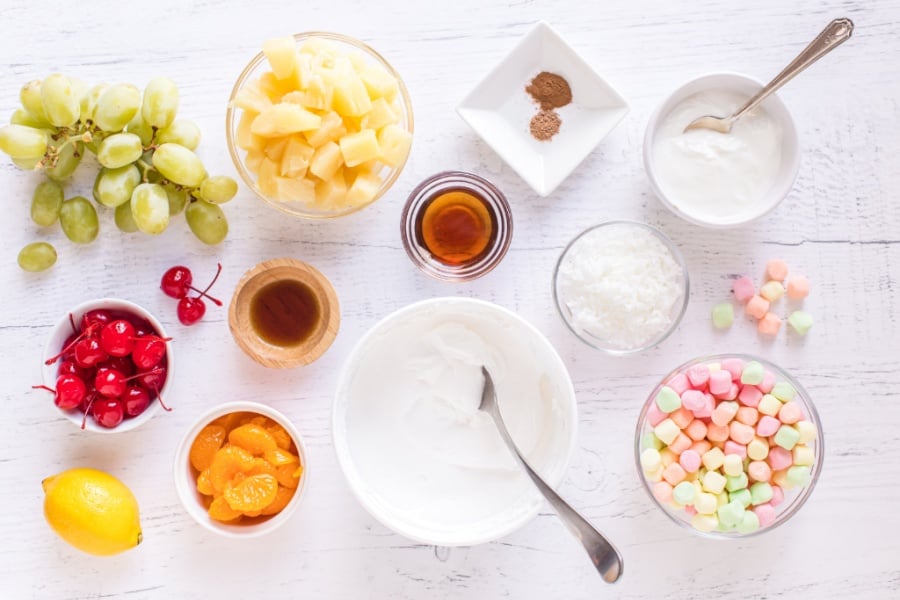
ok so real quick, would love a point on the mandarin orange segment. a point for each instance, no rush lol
(221, 511)
(262, 467)
(281, 500)
(228, 462)
(280, 457)
(204, 485)
(282, 437)
(232, 420)
(254, 419)
(285, 475)
(252, 494)
(205, 445)
(253, 438)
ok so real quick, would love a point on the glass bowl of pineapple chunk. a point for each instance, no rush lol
(319, 125)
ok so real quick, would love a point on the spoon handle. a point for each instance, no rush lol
(602, 553)
(835, 33)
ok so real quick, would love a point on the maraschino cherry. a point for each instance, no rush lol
(176, 282)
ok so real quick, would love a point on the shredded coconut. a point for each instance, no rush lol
(620, 284)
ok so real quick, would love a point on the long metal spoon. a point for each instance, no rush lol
(603, 554)
(836, 33)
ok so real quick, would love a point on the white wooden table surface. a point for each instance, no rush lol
(840, 225)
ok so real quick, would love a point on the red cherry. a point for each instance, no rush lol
(148, 351)
(190, 310)
(68, 367)
(153, 379)
(70, 391)
(88, 352)
(95, 319)
(109, 383)
(122, 364)
(136, 400)
(176, 282)
(117, 338)
(108, 412)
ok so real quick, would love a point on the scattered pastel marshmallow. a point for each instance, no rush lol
(757, 307)
(743, 289)
(800, 321)
(769, 324)
(772, 291)
(668, 399)
(723, 315)
(797, 287)
(776, 269)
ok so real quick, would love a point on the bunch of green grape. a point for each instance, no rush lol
(149, 171)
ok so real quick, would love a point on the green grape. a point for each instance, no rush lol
(160, 102)
(23, 117)
(82, 91)
(37, 256)
(137, 126)
(119, 149)
(115, 186)
(182, 132)
(124, 218)
(179, 165)
(96, 139)
(68, 160)
(20, 141)
(150, 208)
(60, 101)
(89, 101)
(27, 164)
(116, 106)
(207, 221)
(45, 204)
(219, 189)
(177, 200)
(30, 97)
(79, 220)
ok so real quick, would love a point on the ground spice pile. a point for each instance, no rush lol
(550, 91)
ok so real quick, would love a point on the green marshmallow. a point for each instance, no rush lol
(668, 400)
(787, 437)
(731, 514)
(743, 496)
(684, 493)
(749, 522)
(784, 391)
(801, 321)
(753, 373)
(649, 440)
(723, 315)
(737, 482)
(760, 493)
(797, 476)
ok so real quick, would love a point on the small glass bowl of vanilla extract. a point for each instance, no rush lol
(456, 226)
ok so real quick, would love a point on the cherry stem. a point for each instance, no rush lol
(153, 371)
(43, 387)
(87, 331)
(216, 301)
(87, 409)
(72, 323)
(159, 397)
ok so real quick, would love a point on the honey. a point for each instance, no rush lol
(456, 227)
(285, 313)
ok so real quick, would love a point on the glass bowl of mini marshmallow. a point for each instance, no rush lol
(729, 445)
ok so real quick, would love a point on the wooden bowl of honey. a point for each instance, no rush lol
(284, 313)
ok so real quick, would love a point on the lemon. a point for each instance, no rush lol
(92, 510)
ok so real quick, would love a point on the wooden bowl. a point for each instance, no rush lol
(255, 345)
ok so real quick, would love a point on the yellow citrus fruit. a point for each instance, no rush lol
(92, 510)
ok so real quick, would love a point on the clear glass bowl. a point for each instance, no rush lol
(447, 181)
(591, 339)
(793, 498)
(255, 69)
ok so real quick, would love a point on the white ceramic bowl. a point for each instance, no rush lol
(381, 462)
(186, 481)
(790, 147)
(63, 329)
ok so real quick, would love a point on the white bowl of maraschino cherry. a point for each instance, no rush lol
(108, 363)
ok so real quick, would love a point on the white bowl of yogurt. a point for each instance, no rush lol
(418, 454)
(714, 179)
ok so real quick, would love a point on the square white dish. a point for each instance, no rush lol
(500, 110)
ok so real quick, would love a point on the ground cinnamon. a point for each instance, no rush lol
(549, 90)
(545, 125)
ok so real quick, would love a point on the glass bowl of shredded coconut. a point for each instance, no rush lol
(621, 286)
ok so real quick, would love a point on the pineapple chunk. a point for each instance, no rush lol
(265, 179)
(379, 83)
(364, 189)
(246, 140)
(254, 160)
(296, 157)
(251, 98)
(331, 193)
(381, 114)
(284, 119)
(282, 56)
(326, 161)
(317, 46)
(274, 150)
(290, 189)
(273, 87)
(350, 96)
(394, 142)
(331, 129)
(359, 147)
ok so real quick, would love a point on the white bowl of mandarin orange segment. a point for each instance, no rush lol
(319, 125)
(729, 445)
(108, 364)
(241, 470)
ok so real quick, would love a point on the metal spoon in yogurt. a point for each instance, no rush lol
(836, 33)
(604, 555)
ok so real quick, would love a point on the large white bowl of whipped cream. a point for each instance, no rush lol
(417, 452)
(716, 179)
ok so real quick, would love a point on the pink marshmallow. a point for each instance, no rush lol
(743, 289)
(696, 430)
(719, 382)
(690, 461)
(769, 324)
(724, 413)
(768, 382)
(747, 415)
(698, 375)
(740, 433)
(662, 491)
(708, 407)
(776, 269)
(655, 416)
(759, 470)
(790, 413)
(757, 307)
(750, 395)
(732, 447)
(693, 400)
(767, 426)
(765, 513)
(680, 443)
(798, 287)
(779, 458)
(777, 495)
(731, 394)
(690, 510)
(701, 447)
(679, 383)
(682, 417)
(674, 474)
(716, 433)
(735, 366)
